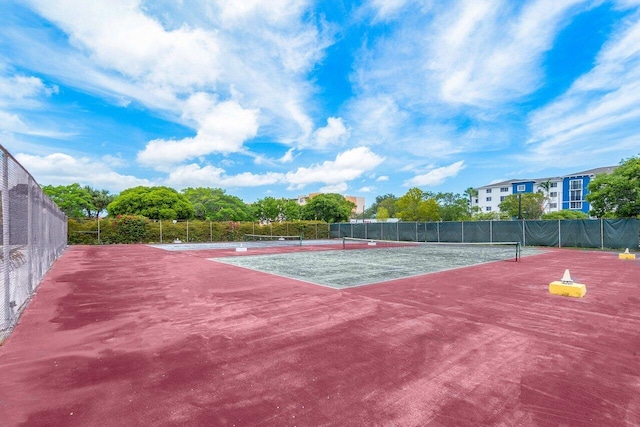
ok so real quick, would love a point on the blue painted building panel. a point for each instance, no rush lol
(567, 202)
(528, 187)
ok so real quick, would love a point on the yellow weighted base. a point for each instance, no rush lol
(626, 256)
(567, 289)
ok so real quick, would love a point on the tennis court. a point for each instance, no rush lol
(138, 335)
(363, 262)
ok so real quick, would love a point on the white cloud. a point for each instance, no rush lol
(193, 175)
(436, 176)
(348, 165)
(386, 9)
(478, 56)
(377, 119)
(335, 188)
(382, 178)
(118, 35)
(12, 123)
(253, 52)
(222, 129)
(442, 64)
(275, 12)
(23, 91)
(18, 96)
(62, 169)
(599, 113)
(366, 189)
(288, 156)
(334, 133)
(114, 161)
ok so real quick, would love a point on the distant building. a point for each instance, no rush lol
(565, 192)
(358, 201)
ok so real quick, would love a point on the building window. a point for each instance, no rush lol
(476, 201)
(553, 205)
(554, 185)
(504, 189)
(553, 194)
(502, 198)
(575, 193)
(488, 190)
(487, 208)
(488, 199)
(521, 188)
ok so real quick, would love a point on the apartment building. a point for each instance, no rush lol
(563, 192)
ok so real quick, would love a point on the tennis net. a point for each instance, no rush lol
(482, 252)
(273, 240)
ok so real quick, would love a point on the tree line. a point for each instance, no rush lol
(614, 195)
(207, 204)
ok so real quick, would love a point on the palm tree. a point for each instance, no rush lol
(471, 194)
(546, 186)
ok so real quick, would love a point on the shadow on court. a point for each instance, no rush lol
(134, 335)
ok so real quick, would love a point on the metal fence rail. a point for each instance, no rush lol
(591, 233)
(34, 235)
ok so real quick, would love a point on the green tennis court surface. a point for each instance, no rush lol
(342, 268)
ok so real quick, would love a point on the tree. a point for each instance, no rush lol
(271, 209)
(452, 207)
(291, 210)
(523, 206)
(329, 207)
(387, 201)
(72, 199)
(382, 214)
(100, 199)
(545, 188)
(153, 203)
(617, 194)
(471, 193)
(214, 204)
(413, 206)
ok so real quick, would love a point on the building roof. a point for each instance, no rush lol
(596, 171)
(505, 183)
(590, 172)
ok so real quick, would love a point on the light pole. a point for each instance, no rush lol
(519, 205)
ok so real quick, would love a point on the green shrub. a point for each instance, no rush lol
(130, 228)
(565, 214)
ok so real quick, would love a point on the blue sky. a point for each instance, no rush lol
(286, 97)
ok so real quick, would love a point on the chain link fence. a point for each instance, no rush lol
(588, 233)
(34, 235)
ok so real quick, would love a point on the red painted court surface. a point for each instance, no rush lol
(134, 335)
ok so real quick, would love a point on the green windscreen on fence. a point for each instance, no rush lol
(507, 231)
(588, 233)
(580, 233)
(542, 233)
(621, 233)
(450, 232)
(477, 231)
(407, 231)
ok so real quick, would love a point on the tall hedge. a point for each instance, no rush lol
(137, 229)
